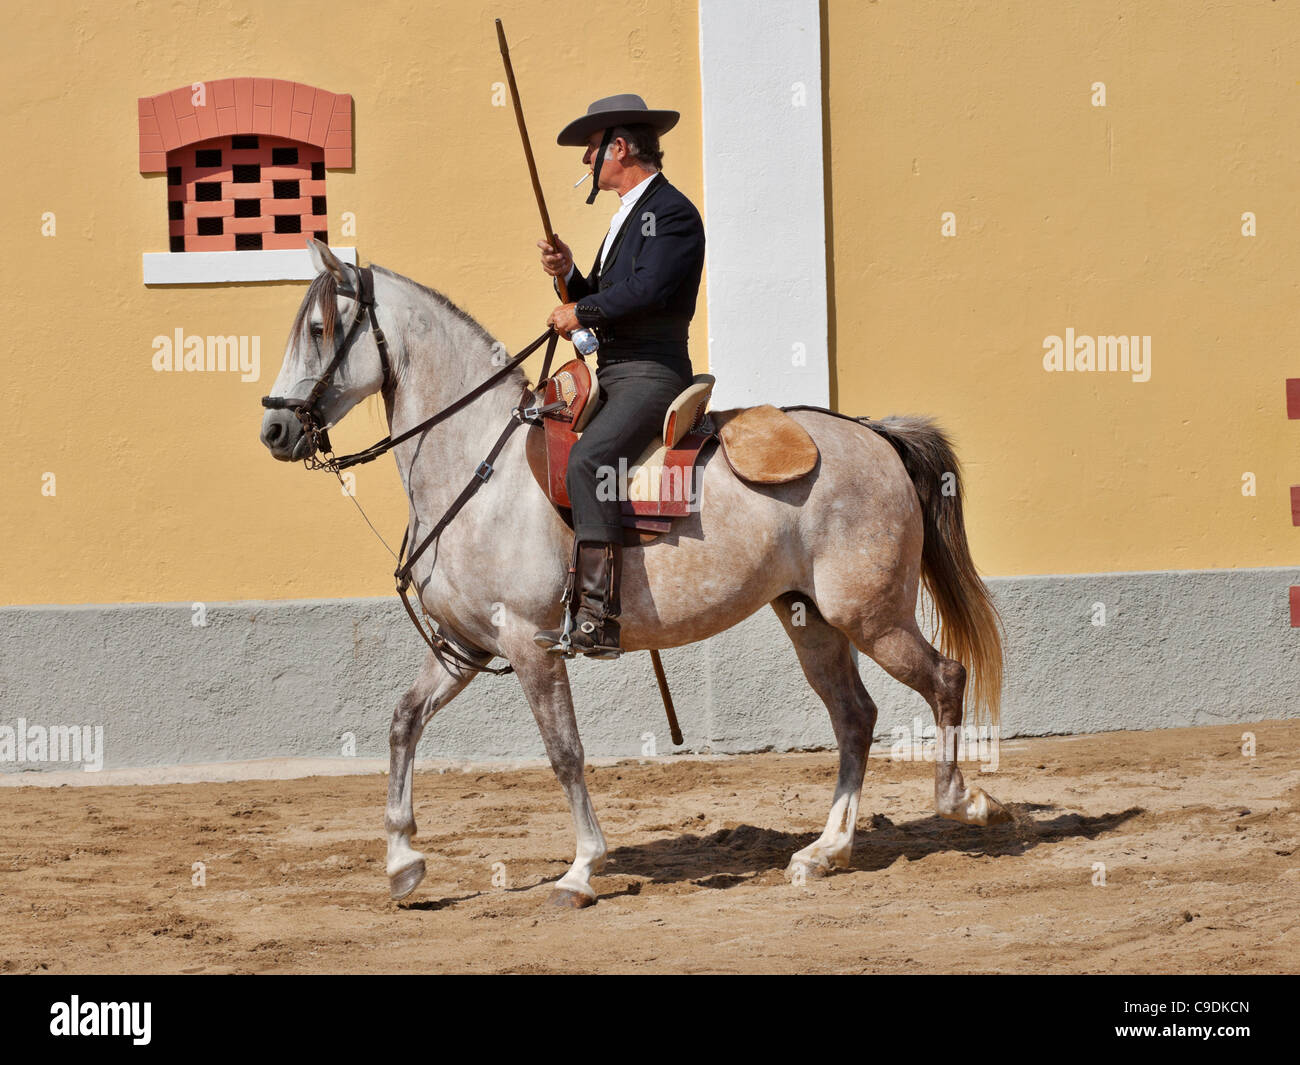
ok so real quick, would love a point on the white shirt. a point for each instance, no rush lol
(626, 202)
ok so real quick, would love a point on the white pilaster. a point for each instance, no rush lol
(764, 203)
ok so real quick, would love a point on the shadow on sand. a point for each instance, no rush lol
(734, 855)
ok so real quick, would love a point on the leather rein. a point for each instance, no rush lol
(318, 437)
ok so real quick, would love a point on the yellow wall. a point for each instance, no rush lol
(1122, 219)
(1117, 219)
(163, 491)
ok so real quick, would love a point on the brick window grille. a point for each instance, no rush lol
(245, 160)
(227, 198)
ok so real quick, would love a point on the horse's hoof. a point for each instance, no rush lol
(991, 811)
(402, 884)
(998, 814)
(803, 869)
(565, 899)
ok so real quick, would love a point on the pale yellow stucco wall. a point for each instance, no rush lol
(1122, 219)
(163, 492)
(1118, 219)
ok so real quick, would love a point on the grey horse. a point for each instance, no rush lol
(840, 556)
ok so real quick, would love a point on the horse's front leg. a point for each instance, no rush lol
(434, 687)
(545, 681)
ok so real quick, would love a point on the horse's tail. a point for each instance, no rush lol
(970, 629)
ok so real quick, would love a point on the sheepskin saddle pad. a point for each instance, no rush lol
(764, 445)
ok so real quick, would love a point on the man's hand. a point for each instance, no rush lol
(564, 319)
(556, 261)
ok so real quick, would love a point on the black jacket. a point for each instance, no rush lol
(641, 305)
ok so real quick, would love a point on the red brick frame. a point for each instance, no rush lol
(236, 106)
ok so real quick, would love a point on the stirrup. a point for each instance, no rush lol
(608, 654)
(565, 646)
(562, 646)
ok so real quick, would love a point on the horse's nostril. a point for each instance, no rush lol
(271, 435)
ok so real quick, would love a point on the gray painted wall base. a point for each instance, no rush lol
(291, 678)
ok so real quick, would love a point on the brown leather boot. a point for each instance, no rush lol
(594, 573)
(595, 626)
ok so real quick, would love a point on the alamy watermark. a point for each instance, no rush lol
(75, 1017)
(966, 743)
(638, 483)
(39, 744)
(212, 354)
(1084, 354)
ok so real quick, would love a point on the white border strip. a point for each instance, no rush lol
(215, 267)
(761, 86)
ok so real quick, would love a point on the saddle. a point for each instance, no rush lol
(762, 445)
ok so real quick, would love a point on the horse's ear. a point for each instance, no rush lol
(324, 259)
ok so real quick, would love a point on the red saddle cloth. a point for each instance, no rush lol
(659, 485)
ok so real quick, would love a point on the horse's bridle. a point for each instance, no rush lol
(313, 424)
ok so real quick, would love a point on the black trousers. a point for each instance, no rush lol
(636, 396)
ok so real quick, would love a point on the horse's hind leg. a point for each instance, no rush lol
(827, 661)
(905, 655)
(434, 687)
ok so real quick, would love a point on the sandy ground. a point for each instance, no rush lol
(1199, 845)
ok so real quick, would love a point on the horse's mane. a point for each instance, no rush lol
(445, 303)
(324, 289)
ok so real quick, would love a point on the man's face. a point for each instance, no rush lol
(612, 168)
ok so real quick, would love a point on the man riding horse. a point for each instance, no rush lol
(638, 301)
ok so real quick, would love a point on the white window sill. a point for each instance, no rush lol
(216, 267)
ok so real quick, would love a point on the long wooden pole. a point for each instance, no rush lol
(528, 153)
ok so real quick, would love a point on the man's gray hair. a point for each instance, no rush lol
(642, 142)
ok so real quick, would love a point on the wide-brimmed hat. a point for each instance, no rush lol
(625, 109)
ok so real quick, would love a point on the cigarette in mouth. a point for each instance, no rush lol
(582, 179)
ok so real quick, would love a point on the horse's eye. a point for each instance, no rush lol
(317, 329)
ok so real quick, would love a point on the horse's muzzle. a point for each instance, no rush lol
(283, 436)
